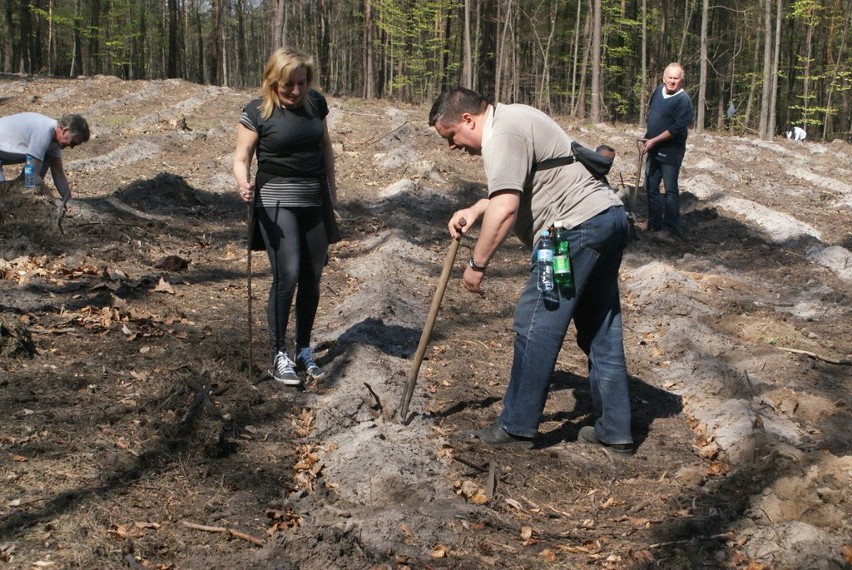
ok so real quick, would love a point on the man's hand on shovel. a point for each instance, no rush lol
(461, 221)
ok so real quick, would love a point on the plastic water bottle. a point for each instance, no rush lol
(544, 261)
(29, 173)
(563, 276)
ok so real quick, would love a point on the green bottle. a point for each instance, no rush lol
(562, 274)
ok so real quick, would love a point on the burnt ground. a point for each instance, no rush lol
(138, 431)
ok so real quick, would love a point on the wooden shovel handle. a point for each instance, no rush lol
(427, 329)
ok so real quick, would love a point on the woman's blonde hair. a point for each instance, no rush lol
(280, 65)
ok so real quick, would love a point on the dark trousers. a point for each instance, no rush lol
(297, 246)
(663, 209)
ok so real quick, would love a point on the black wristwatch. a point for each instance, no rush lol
(473, 265)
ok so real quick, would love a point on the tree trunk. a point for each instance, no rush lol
(773, 94)
(806, 78)
(643, 86)
(752, 89)
(278, 25)
(687, 16)
(596, 63)
(763, 129)
(827, 118)
(369, 80)
(173, 51)
(467, 58)
(575, 63)
(702, 80)
(223, 33)
(580, 111)
(94, 44)
(51, 40)
(9, 48)
(203, 76)
(242, 63)
(501, 89)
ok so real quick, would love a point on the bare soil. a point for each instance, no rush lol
(138, 429)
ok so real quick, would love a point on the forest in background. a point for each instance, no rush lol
(779, 62)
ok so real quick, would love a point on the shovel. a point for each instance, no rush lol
(632, 194)
(427, 329)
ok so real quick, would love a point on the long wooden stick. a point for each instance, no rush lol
(222, 529)
(427, 329)
(839, 362)
(250, 232)
(631, 196)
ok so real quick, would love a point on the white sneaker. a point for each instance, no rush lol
(282, 370)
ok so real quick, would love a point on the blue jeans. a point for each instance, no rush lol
(540, 325)
(663, 209)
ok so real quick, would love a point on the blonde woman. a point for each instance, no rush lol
(293, 195)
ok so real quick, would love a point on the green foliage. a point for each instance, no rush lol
(417, 47)
(415, 40)
(59, 17)
(808, 11)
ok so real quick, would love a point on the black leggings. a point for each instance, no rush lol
(297, 246)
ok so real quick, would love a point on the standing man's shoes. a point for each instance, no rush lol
(587, 435)
(495, 436)
(676, 234)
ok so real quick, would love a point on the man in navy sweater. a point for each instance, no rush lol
(669, 115)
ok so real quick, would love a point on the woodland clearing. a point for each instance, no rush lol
(136, 433)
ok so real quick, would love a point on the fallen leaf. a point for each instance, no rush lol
(438, 552)
(122, 531)
(514, 504)
(127, 332)
(480, 498)
(469, 489)
(847, 553)
(19, 458)
(164, 287)
(548, 555)
(526, 532)
(574, 549)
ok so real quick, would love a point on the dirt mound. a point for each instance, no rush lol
(139, 430)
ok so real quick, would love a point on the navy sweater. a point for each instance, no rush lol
(674, 115)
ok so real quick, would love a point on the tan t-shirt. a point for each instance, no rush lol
(515, 137)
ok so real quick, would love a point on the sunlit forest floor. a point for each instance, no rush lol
(138, 428)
